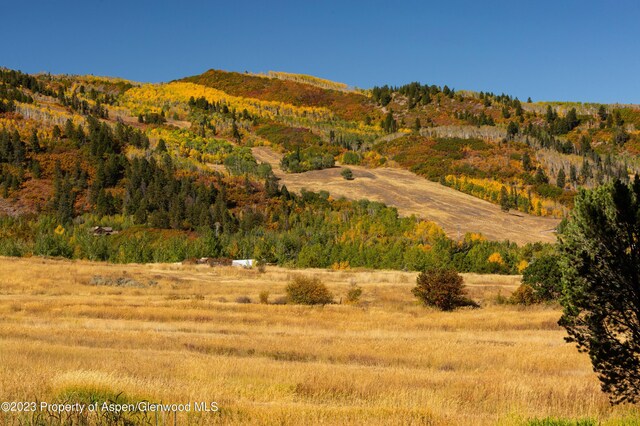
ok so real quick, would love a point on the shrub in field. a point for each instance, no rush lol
(441, 288)
(354, 293)
(544, 276)
(308, 291)
(501, 299)
(524, 295)
(264, 297)
(347, 174)
(243, 299)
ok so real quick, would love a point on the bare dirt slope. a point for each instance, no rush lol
(455, 212)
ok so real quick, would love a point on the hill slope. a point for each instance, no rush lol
(349, 106)
(194, 168)
(457, 213)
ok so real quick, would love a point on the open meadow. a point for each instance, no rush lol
(82, 331)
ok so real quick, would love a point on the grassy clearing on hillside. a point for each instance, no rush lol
(454, 211)
(179, 336)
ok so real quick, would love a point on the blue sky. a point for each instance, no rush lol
(550, 50)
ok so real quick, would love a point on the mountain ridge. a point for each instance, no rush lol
(77, 146)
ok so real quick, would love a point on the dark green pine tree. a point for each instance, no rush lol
(505, 202)
(18, 148)
(271, 186)
(176, 212)
(69, 129)
(585, 145)
(602, 113)
(35, 142)
(162, 146)
(102, 207)
(600, 261)
(526, 162)
(541, 176)
(573, 174)
(389, 124)
(236, 132)
(550, 115)
(572, 119)
(518, 107)
(585, 172)
(63, 200)
(140, 215)
(561, 178)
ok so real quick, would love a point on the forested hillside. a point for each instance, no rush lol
(170, 167)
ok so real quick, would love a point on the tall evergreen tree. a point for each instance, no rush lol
(526, 162)
(573, 174)
(561, 178)
(602, 113)
(505, 202)
(600, 258)
(35, 142)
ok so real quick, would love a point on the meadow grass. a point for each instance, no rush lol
(179, 337)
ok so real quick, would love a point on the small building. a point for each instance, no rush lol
(243, 263)
(103, 230)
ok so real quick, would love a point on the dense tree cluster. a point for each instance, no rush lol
(389, 124)
(481, 119)
(417, 94)
(9, 96)
(506, 100)
(82, 106)
(220, 108)
(154, 195)
(17, 79)
(303, 160)
(16, 160)
(307, 230)
(152, 118)
(557, 125)
(596, 168)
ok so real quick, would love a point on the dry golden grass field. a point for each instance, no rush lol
(181, 337)
(454, 211)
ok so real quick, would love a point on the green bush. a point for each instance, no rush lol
(308, 291)
(441, 288)
(544, 275)
(49, 244)
(12, 247)
(347, 173)
(351, 157)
